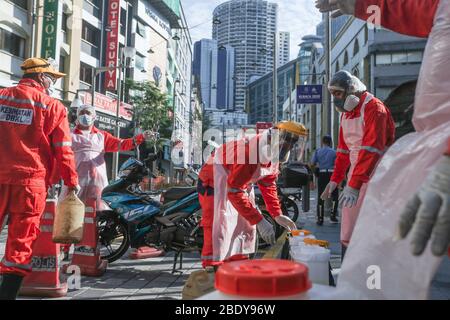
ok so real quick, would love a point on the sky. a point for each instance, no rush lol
(299, 17)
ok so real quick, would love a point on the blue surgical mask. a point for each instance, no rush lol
(339, 104)
(86, 120)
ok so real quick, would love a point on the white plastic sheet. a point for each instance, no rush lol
(376, 267)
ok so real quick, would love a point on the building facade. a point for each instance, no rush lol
(250, 27)
(284, 47)
(78, 43)
(260, 98)
(385, 61)
(213, 68)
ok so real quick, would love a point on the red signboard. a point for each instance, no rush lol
(263, 125)
(108, 105)
(112, 43)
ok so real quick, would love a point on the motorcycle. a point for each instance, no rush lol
(137, 219)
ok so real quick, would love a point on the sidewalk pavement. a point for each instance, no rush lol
(151, 278)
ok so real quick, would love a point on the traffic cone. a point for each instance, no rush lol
(45, 281)
(86, 254)
(145, 252)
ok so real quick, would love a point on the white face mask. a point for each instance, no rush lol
(86, 120)
(351, 102)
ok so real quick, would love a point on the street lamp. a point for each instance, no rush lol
(124, 54)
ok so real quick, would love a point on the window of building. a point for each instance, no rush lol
(356, 48)
(89, 33)
(355, 71)
(139, 62)
(12, 43)
(382, 59)
(93, 7)
(62, 62)
(65, 17)
(366, 34)
(338, 67)
(415, 57)
(123, 21)
(140, 29)
(399, 58)
(21, 3)
(345, 58)
(85, 73)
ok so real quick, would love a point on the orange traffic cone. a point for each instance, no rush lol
(87, 253)
(45, 281)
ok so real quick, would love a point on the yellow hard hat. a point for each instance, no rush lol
(39, 65)
(292, 127)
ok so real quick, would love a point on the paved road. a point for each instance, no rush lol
(152, 278)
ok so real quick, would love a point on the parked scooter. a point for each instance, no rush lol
(136, 219)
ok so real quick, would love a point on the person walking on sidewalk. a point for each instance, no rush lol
(34, 143)
(367, 130)
(230, 217)
(325, 157)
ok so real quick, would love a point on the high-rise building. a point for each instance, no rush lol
(249, 26)
(205, 71)
(213, 69)
(284, 45)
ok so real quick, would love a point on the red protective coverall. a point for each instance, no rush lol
(379, 133)
(410, 17)
(34, 143)
(239, 177)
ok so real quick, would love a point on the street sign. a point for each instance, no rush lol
(112, 43)
(309, 94)
(263, 125)
(49, 29)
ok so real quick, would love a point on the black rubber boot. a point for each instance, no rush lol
(9, 289)
(320, 214)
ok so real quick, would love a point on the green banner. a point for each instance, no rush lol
(49, 29)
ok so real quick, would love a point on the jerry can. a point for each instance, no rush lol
(69, 220)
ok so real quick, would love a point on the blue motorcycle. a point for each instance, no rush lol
(138, 219)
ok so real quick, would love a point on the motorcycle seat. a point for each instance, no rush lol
(176, 193)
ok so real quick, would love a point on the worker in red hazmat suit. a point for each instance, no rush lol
(411, 183)
(230, 217)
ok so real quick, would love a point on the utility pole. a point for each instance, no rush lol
(172, 142)
(275, 78)
(115, 163)
(290, 100)
(329, 114)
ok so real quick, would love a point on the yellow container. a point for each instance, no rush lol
(296, 233)
(315, 242)
(69, 220)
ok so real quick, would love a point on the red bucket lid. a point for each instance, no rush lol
(262, 278)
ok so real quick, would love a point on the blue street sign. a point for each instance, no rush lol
(309, 94)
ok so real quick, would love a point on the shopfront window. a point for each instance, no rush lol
(12, 43)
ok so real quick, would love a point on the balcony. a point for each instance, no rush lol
(90, 49)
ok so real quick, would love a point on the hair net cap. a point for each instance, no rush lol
(86, 107)
(345, 81)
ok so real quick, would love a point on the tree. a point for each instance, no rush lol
(150, 108)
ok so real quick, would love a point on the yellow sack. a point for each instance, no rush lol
(69, 220)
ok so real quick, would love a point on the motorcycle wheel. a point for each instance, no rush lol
(114, 238)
